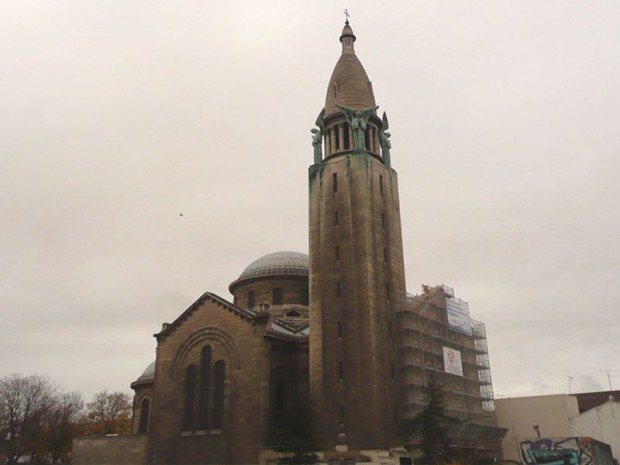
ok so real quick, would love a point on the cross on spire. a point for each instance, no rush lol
(346, 15)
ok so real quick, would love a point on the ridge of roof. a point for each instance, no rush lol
(168, 328)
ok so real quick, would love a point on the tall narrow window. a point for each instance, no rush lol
(387, 291)
(251, 299)
(144, 416)
(335, 182)
(337, 253)
(205, 384)
(341, 413)
(336, 218)
(190, 394)
(276, 296)
(367, 139)
(218, 394)
(383, 220)
(385, 254)
(279, 402)
(337, 139)
(338, 290)
(381, 184)
(305, 296)
(340, 371)
(340, 329)
(345, 136)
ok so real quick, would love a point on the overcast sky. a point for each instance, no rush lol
(116, 117)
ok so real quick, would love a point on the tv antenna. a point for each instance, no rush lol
(570, 380)
(609, 376)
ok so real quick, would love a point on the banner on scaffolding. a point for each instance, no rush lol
(458, 316)
(452, 361)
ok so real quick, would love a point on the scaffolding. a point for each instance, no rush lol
(427, 330)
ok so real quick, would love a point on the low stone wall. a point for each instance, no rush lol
(110, 450)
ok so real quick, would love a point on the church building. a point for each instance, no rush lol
(323, 330)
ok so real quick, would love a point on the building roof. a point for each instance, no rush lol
(148, 373)
(349, 85)
(147, 377)
(278, 264)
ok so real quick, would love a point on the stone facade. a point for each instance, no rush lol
(120, 450)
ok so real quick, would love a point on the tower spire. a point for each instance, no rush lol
(347, 37)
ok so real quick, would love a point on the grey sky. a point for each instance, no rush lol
(116, 117)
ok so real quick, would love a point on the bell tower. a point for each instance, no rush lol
(357, 278)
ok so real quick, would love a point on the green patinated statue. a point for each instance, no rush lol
(317, 137)
(386, 145)
(358, 119)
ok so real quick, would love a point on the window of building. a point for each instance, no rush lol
(337, 253)
(367, 138)
(218, 394)
(337, 131)
(279, 401)
(381, 184)
(335, 182)
(336, 218)
(251, 299)
(145, 407)
(340, 371)
(385, 254)
(341, 413)
(190, 394)
(305, 297)
(338, 290)
(347, 145)
(340, 329)
(205, 375)
(383, 220)
(276, 296)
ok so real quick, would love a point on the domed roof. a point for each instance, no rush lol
(277, 263)
(148, 373)
(349, 84)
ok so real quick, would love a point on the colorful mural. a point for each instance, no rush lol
(564, 451)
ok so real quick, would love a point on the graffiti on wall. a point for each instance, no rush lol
(565, 451)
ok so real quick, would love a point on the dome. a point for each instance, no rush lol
(349, 84)
(277, 264)
(148, 373)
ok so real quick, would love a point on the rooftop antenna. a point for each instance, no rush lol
(608, 373)
(346, 15)
(570, 379)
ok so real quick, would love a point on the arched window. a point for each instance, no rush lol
(277, 296)
(190, 394)
(205, 375)
(218, 394)
(144, 416)
(251, 299)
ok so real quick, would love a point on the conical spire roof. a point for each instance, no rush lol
(349, 84)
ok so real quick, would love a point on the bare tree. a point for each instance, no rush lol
(62, 423)
(24, 403)
(109, 413)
